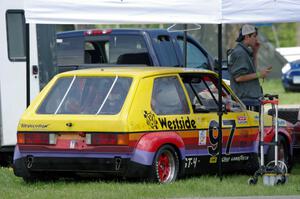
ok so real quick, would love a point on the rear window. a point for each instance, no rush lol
(86, 95)
(121, 49)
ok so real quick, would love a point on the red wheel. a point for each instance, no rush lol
(165, 165)
(283, 153)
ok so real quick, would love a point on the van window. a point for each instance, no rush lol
(165, 51)
(195, 57)
(86, 95)
(168, 97)
(15, 24)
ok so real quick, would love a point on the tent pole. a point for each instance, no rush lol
(220, 111)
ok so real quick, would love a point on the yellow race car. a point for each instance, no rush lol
(155, 123)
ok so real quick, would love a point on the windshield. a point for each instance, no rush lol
(86, 95)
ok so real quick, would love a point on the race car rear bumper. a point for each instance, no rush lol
(115, 166)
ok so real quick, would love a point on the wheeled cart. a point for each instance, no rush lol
(275, 172)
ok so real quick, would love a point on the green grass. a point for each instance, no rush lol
(274, 86)
(201, 186)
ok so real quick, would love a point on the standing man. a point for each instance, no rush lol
(244, 75)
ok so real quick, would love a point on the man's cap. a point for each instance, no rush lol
(248, 29)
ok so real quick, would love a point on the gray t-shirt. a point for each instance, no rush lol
(241, 63)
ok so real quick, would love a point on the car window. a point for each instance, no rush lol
(195, 57)
(86, 95)
(203, 94)
(168, 97)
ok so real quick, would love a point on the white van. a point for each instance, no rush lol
(20, 82)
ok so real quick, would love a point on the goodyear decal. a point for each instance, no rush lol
(181, 123)
(226, 159)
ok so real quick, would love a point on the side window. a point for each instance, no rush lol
(195, 57)
(165, 51)
(203, 93)
(168, 97)
(15, 25)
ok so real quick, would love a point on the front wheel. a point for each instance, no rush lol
(165, 166)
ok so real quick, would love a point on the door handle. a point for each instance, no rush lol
(35, 70)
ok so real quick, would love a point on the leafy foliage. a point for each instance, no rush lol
(284, 33)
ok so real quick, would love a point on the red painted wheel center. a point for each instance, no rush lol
(163, 167)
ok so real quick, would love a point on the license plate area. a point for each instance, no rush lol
(296, 79)
(71, 141)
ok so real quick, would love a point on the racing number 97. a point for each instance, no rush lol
(214, 125)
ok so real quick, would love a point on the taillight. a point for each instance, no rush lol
(106, 139)
(96, 32)
(36, 138)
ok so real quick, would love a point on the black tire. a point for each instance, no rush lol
(252, 181)
(283, 152)
(165, 165)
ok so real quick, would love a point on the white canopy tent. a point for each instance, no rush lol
(169, 11)
(158, 11)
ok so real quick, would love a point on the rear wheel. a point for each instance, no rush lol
(165, 166)
(283, 153)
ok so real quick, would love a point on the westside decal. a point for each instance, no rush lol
(165, 123)
(181, 123)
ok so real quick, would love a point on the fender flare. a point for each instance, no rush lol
(281, 131)
(147, 146)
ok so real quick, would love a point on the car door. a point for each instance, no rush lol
(203, 95)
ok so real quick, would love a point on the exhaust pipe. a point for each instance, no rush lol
(29, 161)
(118, 161)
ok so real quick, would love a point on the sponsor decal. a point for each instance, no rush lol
(242, 120)
(182, 123)
(239, 158)
(213, 160)
(256, 117)
(235, 158)
(226, 159)
(165, 123)
(191, 162)
(202, 137)
(151, 119)
(34, 126)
